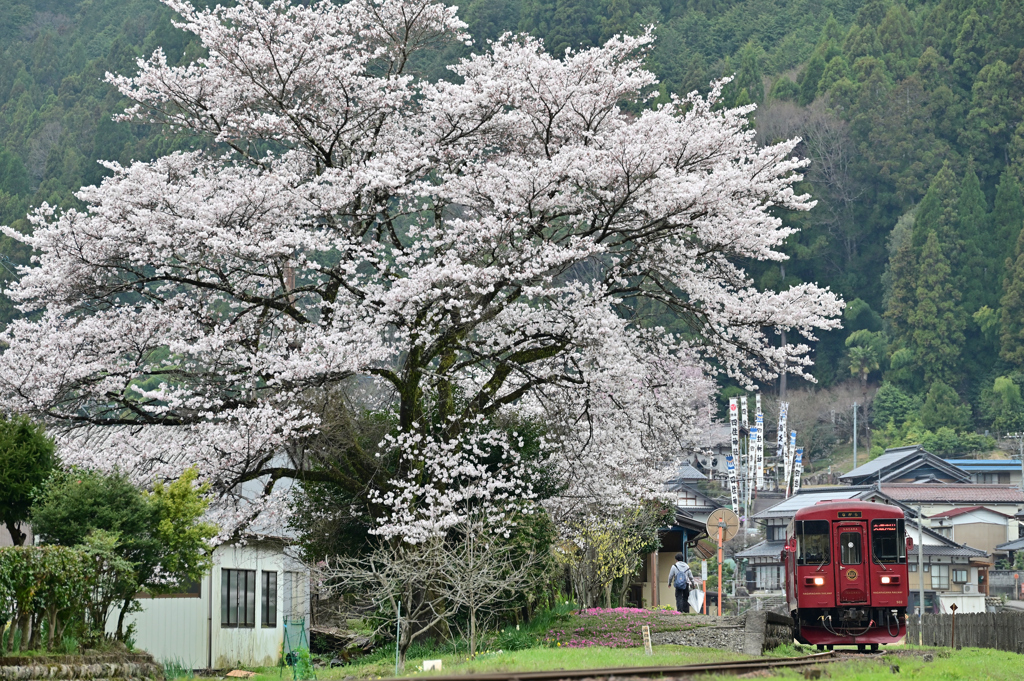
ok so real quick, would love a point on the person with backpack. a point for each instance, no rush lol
(681, 577)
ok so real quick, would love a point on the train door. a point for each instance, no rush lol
(851, 565)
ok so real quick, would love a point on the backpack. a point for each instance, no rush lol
(682, 580)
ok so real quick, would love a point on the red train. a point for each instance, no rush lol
(846, 574)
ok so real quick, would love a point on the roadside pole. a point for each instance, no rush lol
(855, 435)
(398, 635)
(721, 529)
(920, 577)
(704, 582)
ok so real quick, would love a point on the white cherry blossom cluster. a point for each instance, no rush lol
(472, 249)
(478, 474)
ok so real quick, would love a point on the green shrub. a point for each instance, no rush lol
(54, 586)
(513, 639)
(176, 669)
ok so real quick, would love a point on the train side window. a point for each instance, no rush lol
(812, 542)
(887, 542)
(849, 543)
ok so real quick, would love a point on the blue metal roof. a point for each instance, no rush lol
(980, 465)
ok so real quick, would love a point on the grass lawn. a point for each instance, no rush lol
(534, 659)
(969, 664)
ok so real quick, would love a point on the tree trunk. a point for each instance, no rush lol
(404, 641)
(119, 634)
(623, 592)
(23, 626)
(472, 631)
(17, 536)
(36, 640)
(608, 596)
(51, 621)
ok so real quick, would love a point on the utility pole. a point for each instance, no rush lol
(854, 434)
(920, 576)
(1020, 448)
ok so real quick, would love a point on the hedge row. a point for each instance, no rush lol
(50, 587)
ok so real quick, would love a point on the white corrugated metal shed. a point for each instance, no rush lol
(194, 630)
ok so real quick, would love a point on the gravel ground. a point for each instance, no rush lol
(725, 633)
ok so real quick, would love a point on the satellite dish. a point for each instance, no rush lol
(729, 519)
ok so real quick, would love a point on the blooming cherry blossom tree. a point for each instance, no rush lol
(465, 250)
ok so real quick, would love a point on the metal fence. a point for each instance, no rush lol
(999, 630)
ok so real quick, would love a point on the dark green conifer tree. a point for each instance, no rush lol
(808, 80)
(937, 212)
(943, 408)
(617, 18)
(900, 279)
(571, 26)
(749, 76)
(1011, 333)
(937, 322)
(1009, 30)
(969, 50)
(990, 119)
(1006, 221)
(973, 229)
(897, 37)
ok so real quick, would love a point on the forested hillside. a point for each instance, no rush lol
(911, 112)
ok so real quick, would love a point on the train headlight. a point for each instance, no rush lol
(818, 581)
(885, 580)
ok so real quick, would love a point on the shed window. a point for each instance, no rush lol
(268, 600)
(237, 598)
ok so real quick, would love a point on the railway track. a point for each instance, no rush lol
(726, 667)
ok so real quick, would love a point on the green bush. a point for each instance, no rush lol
(514, 639)
(44, 589)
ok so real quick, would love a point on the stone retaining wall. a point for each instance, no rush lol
(764, 630)
(88, 668)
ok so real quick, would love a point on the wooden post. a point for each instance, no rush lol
(655, 601)
(952, 627)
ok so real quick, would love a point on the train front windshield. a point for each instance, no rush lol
(887, 541)
(812, 542)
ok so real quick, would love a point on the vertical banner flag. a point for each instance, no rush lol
(781, 457)
(751, 461)
(790, 459)
(759, 445)
(798, 468)
(730, 461)
(744, 462)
